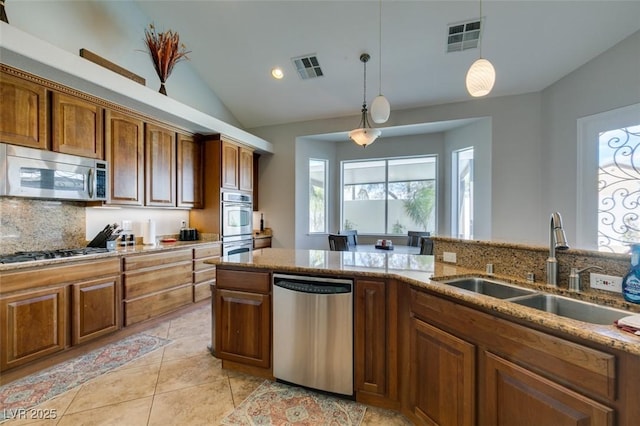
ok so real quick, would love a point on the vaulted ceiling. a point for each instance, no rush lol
(235, 44)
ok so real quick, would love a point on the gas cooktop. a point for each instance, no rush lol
(26, 256)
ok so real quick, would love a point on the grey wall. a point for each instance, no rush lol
(478, 135)
(113, 30)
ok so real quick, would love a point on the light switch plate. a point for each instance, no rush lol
(449, 257)
(606, 282)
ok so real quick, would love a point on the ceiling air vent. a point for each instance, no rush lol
(463, 36)
(307, 66)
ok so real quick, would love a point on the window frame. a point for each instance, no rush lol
(436, 185)
(455, 193)
(325, 225)
(589, 129)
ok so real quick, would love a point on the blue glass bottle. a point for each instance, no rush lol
(631, 281)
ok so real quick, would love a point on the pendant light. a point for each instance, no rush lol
(380, 108)
(365, 134)
(481, 75)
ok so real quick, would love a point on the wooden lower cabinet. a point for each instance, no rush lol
(443, 377)
(204, 274)
(517, 396)
(243, 317)
(33, 325)
(95, 308)
(370, 331)
(155, 284)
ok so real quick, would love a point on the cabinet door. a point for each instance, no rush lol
(23, 112)
(77, 126)
(33, 325)
(94, 309)
(243, 327)
(125, 154)
(190, 172)
(160, 166)
(517, 396)
(229, 168)
(442, 374)
(370, 337)
(246, 169)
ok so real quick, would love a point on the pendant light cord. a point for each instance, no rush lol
(481, 30)
(380, 50)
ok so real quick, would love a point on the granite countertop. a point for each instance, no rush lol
(419, 271)
(118, 252)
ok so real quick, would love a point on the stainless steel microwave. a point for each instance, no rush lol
(36, 173)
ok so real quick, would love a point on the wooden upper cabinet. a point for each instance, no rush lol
(23, 112)
(125, 153)
(237, 167)
(77, 126)
(190, 172)
(229, 166)
(245, 171)
(160, 166)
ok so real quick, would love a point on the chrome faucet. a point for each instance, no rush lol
(557, 240)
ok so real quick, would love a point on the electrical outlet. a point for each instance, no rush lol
(449, 257)
(606, 282)
(183, 224)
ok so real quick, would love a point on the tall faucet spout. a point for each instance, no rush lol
(557, 240)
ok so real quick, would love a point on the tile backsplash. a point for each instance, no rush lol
(32, 224)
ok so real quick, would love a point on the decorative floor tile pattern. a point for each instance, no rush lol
(153, 390)
(281, 405)
(39, 387)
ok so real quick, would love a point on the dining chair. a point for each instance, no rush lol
(414, 238)
(426, 245)
(352, 236)
(338, 242)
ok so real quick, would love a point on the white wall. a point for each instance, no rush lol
(113, 30)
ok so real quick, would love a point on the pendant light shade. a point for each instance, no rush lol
(380, 109)
(364, 135)
(480, 78)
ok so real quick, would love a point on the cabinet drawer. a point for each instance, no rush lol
(259, 243)
(206, 275)
(156, 304)
(66, 273)
(210, 251)
(132, 263)
(255, 282)
(569, 363)
(200, 265)
(148, 281)
(202, 291)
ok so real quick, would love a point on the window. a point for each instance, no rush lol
(389, 196)
(608, 214)
(618, 189)
(317, 195)
(462, 196)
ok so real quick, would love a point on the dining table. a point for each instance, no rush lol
(397, 248)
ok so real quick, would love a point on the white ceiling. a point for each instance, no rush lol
(235, 44)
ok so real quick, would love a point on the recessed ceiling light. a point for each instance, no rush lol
(277, 73)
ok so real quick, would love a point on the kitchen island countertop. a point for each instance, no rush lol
(419, 271)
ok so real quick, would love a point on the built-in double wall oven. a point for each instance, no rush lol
(237, 222)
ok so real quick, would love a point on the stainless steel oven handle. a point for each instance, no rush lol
(91, 183)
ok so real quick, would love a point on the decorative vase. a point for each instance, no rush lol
(163, 90)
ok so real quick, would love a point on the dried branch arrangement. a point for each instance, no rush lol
(165, 51)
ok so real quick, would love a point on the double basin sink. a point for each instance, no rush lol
(558, 305)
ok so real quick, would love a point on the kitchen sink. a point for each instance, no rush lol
(571, 308)
(497, 289)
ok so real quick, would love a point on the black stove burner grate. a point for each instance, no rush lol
(26, 256)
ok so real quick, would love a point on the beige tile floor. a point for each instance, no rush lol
(179, 384)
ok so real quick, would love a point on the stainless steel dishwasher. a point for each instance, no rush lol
(313, 332)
